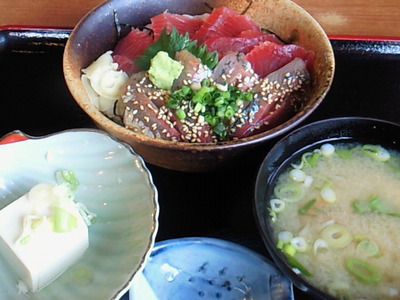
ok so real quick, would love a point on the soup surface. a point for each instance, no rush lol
(336, 217)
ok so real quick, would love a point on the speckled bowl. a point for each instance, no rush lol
(114, 183)
(96, 33)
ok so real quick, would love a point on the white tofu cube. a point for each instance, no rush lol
(47, 253)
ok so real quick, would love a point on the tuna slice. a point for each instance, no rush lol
(224, 21)
(268, 57)
(143, 113)
(223, 44)
(182, 23)
(280, 94)
(129, 48)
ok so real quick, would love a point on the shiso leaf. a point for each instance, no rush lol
(173, 42)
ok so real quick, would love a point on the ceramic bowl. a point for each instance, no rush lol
(97, 33)
(343, 129)
(208, 268)
(114, 184)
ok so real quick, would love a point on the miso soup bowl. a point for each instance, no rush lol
(97, 33)
(353, 129)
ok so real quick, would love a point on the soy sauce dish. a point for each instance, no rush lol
(326, 202)
(78, 215)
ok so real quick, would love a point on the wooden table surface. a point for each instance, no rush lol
(372, 18)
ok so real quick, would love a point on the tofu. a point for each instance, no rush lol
(43, 257)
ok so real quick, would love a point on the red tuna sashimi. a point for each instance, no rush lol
(223, 44)
(268, 57)
(224, 21)
(129, 48)
(182, 23)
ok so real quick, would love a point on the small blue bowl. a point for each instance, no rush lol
(208, 268)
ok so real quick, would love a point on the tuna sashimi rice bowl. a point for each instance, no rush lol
(205, 78)
(210, 76)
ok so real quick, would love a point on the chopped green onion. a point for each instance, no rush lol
(361, 207)
(327, 150)
(285, 236)
(363, 271)
(289, 192)
(173, 103)
(69, 178)
(82, 275)
(376, 152)
(344, 153)
(63, 220)
(310, 158)
(320, 243)
(299, 243)
(297, 265)
(277, 205)
(180, 114)
(306, 207)
(297, 175)
(367, 248)
(378, 205)
(25, 239)
(289, 250)
(308, 181)
(321, 182)
(337, 236)
(328, 194)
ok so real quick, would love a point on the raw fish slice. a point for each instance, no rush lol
(182, 23)
(224, 21)
(143, 110)
(233, 69)
(279, 96)
(223, 44)
(125, 64)
(193, 70)
(254, 33)
(130, 47)
(192, 129)
(268, 57)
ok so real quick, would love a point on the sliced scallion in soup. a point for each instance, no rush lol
(340, 204)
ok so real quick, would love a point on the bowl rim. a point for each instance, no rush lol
(99, 118)
(264, 178)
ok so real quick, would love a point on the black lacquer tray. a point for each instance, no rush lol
(35, 100)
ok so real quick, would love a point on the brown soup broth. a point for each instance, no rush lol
(347, 213)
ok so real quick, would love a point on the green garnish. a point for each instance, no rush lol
(376, 152)
(310, 158)
(361, 207)
(336, 235)
(173, 42)
(344, 153)
(373, 205)
(69, 178)
(289, 192)
(64, 221)
(367, 248)
(363, 271)
(306, 207)
(296, 264)
(218, 107)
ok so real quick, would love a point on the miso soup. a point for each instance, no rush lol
(335, 214)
